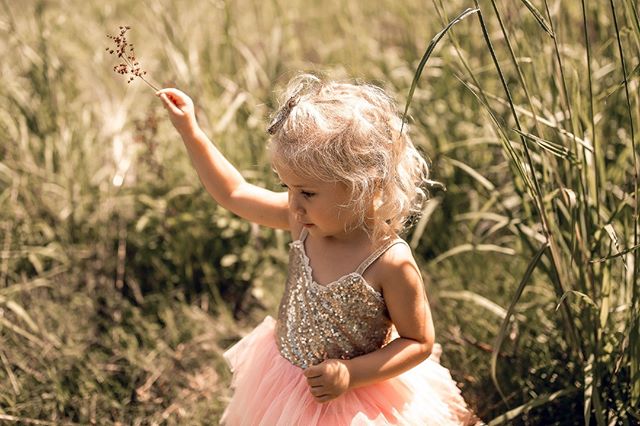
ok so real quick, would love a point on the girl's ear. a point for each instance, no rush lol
(377, 199)
(377, 195)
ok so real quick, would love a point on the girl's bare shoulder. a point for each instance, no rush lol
(396, 268)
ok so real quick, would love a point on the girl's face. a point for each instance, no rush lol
(319, 206)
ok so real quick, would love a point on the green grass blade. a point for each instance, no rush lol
(591, 397)
(551, 147)
(632, 75)
(464, 248)
(588, 388)
(508, 417)
(515, 158)
(583, 296)
(502, 334)
(428, 210)
(426, 56)
(632, 10)
(634, 341)
(598, 168)
(483, 302)
(486, 183)
(562, 132)
(536, 14)
(613, 256)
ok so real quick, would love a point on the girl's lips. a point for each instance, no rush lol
(307, 225)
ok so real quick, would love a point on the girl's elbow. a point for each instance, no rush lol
(428, 340)
(427, 349)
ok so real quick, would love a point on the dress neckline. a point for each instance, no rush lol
(357, 273)
(309, 272)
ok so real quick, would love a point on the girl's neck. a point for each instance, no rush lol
(353, 238)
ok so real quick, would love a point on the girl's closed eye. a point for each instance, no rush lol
(305, 194)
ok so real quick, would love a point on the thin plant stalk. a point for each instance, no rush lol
(502, 334)
(516, 65)
(581, 232)
(425, 58)
(590, 319)
(539, 202)
(594, 140)
(596, 370)
(155, 89)
(634, 341)
(516, 161)
(130, 62)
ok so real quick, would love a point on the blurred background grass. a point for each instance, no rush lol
(122, 282)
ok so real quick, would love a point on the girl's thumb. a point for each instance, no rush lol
(310, 371)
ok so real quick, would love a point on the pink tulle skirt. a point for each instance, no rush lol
(271, 391)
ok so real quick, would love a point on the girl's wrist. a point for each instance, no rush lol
(349, 367)
(191, 131)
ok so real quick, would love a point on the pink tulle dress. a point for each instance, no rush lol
(344, 319)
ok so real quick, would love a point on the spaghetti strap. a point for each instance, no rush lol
(303, 234)
(376, 254)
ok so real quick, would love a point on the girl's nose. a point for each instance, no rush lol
(295, 204)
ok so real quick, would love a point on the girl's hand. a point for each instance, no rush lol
(181, 110)
(328, 380)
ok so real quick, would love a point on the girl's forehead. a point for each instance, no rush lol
(298, 179)
(294, 178)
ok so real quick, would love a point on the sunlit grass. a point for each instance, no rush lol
(121, 283)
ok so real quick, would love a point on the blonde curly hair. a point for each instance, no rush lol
(351, 133)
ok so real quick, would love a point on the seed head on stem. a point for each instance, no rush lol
(124, 50)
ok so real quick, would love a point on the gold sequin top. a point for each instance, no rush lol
(343, 319)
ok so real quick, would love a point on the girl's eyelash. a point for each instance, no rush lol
(304, 193)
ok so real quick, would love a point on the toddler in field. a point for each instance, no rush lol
(353, 343)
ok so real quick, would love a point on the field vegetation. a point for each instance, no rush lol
(122, 282)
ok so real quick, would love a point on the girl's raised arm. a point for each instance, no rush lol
(220, 178)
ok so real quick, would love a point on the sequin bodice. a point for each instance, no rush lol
(343, 319)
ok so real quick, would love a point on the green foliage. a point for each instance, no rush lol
(563, 175)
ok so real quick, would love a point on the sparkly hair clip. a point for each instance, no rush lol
(304, 85)
(282, 115)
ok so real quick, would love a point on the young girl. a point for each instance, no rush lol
(354, 341)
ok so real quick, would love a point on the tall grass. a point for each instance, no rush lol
(585, 199)
(121, 283)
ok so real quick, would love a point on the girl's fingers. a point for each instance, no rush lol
(169, 91)
(323, 398)
(317, 392)
(172, 98)
(312, 372)
(177, 97)
(314, 381)
(169, 104)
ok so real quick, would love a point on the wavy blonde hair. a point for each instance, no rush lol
(351, 133)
